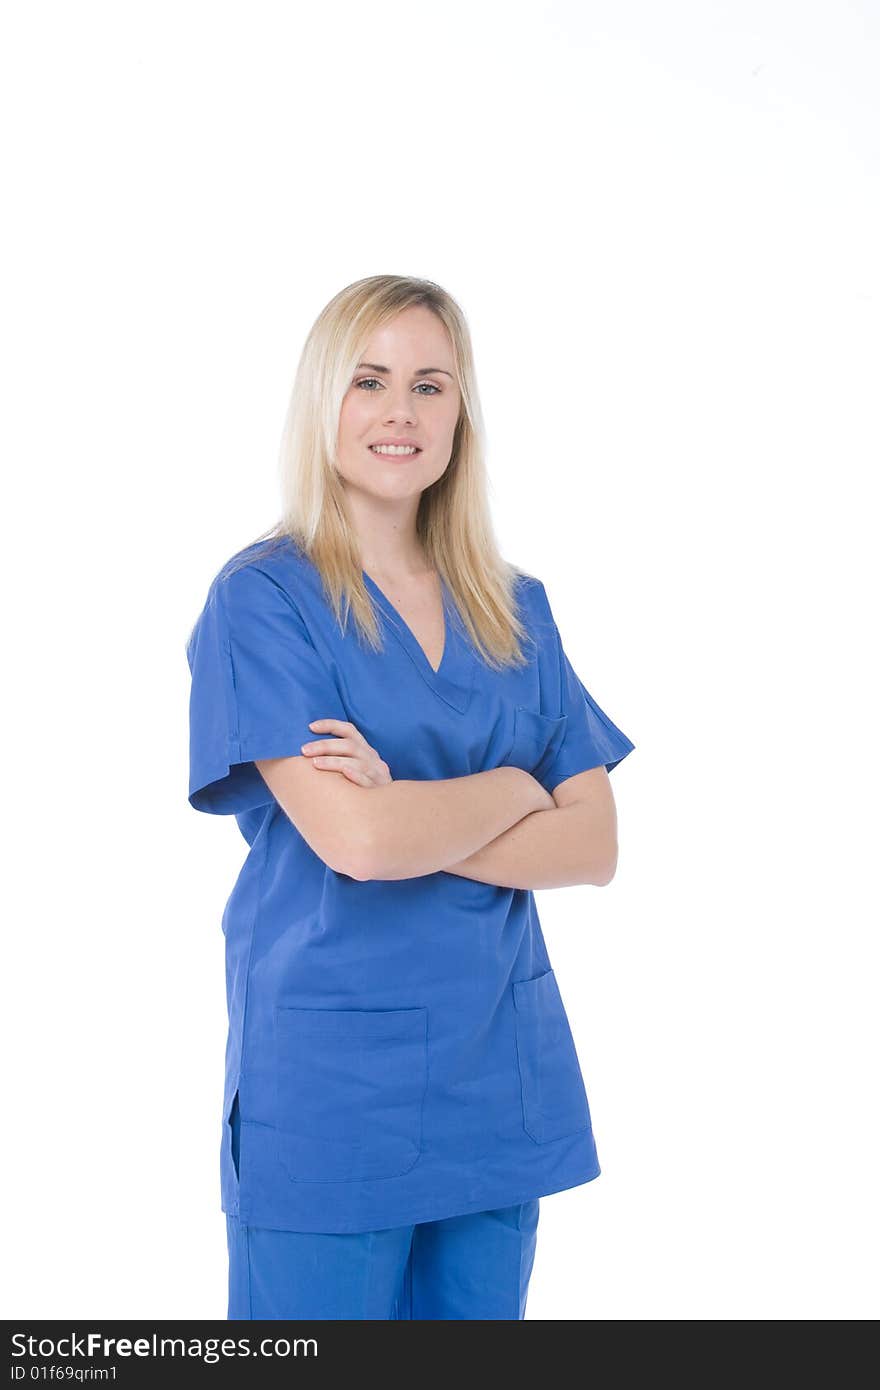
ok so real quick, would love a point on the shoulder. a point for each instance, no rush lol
(271, 571)
(531, 597)
(254, 592)
(274, 557)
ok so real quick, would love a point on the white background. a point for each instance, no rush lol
(661, 221)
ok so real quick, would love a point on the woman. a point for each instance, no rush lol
(401, 1081)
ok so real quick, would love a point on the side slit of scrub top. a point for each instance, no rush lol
(399, 1049)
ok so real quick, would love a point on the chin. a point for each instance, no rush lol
(387, 483)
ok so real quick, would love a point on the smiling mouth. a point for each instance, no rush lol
(394, 453)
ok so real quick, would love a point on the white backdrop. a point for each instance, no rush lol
(662, 222)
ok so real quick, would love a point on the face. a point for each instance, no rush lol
(393, 397)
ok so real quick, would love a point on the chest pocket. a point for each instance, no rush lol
(350, 1086)
(536, 740)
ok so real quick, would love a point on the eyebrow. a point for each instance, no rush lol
(421, 371)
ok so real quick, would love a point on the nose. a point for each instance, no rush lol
(399, 404)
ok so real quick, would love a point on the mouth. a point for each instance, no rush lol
(398, 454)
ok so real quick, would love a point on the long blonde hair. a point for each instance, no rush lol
(453, 521)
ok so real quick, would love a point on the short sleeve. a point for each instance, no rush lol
(591, 739)
(257, 682)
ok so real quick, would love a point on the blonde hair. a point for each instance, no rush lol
(453, 522)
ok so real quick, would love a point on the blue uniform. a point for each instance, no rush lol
(398, 1050)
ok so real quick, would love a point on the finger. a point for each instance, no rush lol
(337, 726)
(347, 766)
(331, 764)
(329, 745)
(355, 774)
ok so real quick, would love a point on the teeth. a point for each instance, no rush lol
(393, 449)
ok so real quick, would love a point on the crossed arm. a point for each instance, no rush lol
(573, 841)
(499, 827)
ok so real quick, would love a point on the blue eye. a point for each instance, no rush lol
(366, 379)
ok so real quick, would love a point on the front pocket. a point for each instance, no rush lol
(554, 1100)
(350, 1086)
(536, 740)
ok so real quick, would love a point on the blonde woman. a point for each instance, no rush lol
(386, 707)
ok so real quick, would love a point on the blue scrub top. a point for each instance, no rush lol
(400, 1048)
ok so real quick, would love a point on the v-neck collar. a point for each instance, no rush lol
(453, 679)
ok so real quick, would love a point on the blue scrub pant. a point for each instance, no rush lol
(463, 1267)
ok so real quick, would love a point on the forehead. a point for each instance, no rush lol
(413, 333)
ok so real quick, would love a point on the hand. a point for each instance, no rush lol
(349, 754)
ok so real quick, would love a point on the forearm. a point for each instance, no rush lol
(556, 848)
(419, 827)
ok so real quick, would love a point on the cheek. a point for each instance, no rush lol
(354, 418)
(451, 421)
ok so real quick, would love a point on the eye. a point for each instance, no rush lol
(366, 380)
